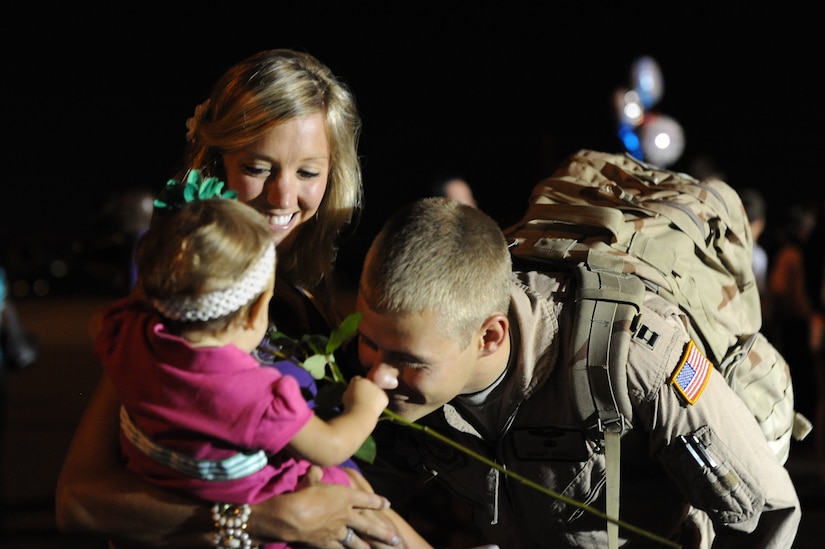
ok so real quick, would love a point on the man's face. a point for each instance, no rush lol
(419, 366)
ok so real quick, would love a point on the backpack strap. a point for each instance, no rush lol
(606, 306)
(607, 303)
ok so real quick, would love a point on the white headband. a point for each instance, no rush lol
(222, 302)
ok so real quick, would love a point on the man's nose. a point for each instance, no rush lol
(383, 375)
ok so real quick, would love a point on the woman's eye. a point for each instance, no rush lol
(306, 174)
(256, 170)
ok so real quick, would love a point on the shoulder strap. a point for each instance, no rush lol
(607, 303)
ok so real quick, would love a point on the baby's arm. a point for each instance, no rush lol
(334, 441)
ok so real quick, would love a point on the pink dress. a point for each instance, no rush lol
(208, 422)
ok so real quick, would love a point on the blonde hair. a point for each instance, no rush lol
(203, 247)
(261, 92)
(439, 255)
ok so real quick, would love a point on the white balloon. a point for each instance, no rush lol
(662, 139)
(628, 107)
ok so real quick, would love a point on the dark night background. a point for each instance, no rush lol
(95, 102)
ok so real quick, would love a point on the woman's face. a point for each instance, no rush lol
(283, 175)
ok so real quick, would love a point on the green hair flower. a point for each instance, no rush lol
(175, 194)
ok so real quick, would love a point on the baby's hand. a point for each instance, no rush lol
(363, 392)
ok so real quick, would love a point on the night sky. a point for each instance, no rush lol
(96, 103)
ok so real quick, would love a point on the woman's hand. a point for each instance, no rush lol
(320, 515)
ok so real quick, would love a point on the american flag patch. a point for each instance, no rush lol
(692, 374)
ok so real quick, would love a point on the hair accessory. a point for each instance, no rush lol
(231, 521)
(174, 195)
(193, 123)
(222, 302)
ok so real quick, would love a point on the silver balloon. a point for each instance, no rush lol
(662, 140)
(629, 109)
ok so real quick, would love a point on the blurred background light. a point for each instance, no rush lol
(646, 79)
(645, 134)
(662, 140)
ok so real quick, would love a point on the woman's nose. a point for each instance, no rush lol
(281, 191)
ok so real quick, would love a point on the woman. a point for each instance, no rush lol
(282, 132)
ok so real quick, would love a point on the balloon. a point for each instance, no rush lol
(646, 79)
(628, 107)
(662, 140)
(630, 141)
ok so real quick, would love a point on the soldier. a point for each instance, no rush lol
(477, 352)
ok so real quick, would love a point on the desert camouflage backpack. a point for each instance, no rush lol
(630, 227)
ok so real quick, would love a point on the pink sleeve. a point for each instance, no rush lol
(335, 475)
(287, 414)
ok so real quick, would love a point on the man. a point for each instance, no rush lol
(477, 353)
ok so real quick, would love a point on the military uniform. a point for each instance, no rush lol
(680, 464)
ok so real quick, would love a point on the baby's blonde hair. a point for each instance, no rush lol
(204, 246)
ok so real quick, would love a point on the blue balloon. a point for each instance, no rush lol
(647, 80)
(631, 141)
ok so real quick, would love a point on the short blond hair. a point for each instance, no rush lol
(439, 255)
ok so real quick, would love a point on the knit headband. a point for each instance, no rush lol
(220, 303)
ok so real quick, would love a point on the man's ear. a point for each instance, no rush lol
(259, 309)
(494, 333)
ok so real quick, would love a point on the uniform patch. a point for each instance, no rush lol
(692, 374)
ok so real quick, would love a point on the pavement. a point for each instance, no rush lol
(46, 401)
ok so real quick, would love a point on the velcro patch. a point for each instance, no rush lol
(692, 374)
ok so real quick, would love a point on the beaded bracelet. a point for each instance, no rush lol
(231, 520)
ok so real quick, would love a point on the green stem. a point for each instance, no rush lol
(642, 532)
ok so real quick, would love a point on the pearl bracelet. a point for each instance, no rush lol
(231, 520)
